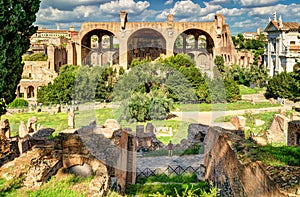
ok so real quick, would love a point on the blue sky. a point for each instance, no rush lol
(241, 15)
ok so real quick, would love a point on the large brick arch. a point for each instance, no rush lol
(217, 31)
(145, 42)
(103, 54)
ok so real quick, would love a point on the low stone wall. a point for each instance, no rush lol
(225, 170)
(294, 133)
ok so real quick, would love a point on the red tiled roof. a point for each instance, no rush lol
(294, 47)
(290, 25)
(286, 25)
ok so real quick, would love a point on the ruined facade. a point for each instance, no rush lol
(282, 51)
(121, 42)
(40, 73)
(294, 133)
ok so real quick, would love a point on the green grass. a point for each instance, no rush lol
(223, 106)
(57, 121)
(248, 90)
(162, 178)
(267, 117)
(163, 185)
(54, 187)
(274, 155)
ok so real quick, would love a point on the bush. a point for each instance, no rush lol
(36, 57)
(18, 102)
(153, 106)
(281, 86)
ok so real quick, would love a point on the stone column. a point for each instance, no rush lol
(169, 47)
(196, 42)
(123, 52)
(78, 51)
(70, 56)
(71, 119)
(111, 41)
(25, 92)
(35, 90)
(184, 43)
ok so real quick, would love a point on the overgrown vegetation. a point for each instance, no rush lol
(60, 187)
(285, 85)
(35, 57)
(163, 185)
(270, 154)
(18, 103)
(17, 18)
(79, 84)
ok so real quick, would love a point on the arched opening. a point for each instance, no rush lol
(99, 47)
(30, 92)
(145, 43)
(198, 43)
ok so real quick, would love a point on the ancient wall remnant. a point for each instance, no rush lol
(278, 130)
(229, 174)
(294, 133)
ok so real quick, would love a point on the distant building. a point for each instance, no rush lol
(40, 73)
(44, 37)
(283, 48)
(253, 35)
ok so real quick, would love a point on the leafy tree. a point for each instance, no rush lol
(16, 19)
(36, 57)
(281, 85)
(142, 106)
(61, 91)
(232, 90)
(80, 84)
(296, 86)
(18, 102)
(219, 62)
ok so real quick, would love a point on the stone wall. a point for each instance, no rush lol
(294, 133)
(225, 170)
(278, 129)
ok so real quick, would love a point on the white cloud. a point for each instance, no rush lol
(218, 2)
(250, 23)
(168, 2)
(130, 6)
(69, 4)
(287, 11)
(232, 12)
(189, 11)
(257, 3)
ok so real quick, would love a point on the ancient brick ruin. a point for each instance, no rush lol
(294, 133)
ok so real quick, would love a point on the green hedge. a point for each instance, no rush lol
(18, 102)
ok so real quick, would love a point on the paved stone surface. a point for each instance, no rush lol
(165, 161)
(208, 118)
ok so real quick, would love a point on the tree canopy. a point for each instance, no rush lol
(16, 19)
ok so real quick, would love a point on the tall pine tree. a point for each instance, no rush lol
(16, 28)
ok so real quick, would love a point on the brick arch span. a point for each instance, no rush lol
(198, 44)
(100, 51)
(145, 43)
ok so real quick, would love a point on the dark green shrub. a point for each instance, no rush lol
(281, 85)
(18, 102)
(36, 57)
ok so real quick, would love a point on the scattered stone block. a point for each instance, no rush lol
(278, 129)
(71, 119)
(294, 133)
(197, 132)
(112, 124)
(140, 130)
(5, 128)
(32, 124)
(150, 128)
(258, 122)
(22, 130)
(239, 122)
